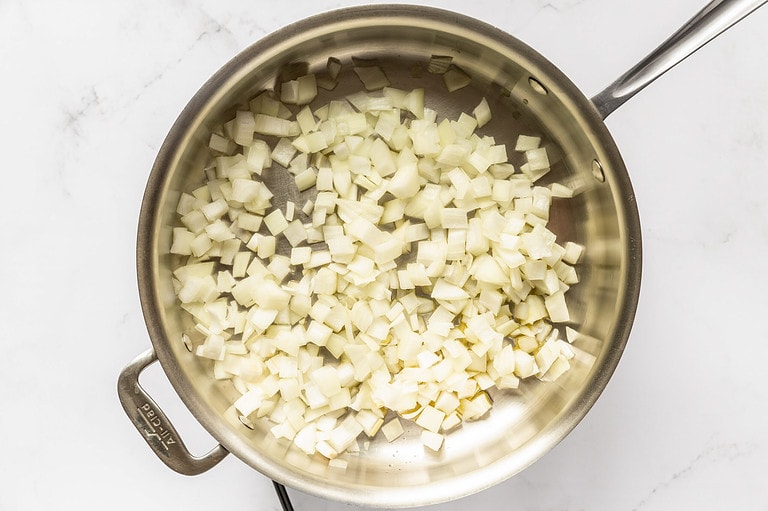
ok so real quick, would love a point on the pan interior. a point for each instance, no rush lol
(527, 95)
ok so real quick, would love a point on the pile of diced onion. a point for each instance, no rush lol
(421, 271)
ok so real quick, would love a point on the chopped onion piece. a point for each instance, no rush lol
(537, 159)
(270, 125)
(557, 308)
(431, 439)
(426, 277)
(333, 67)
(243, 129)
(430, 419)
(561, 191)
(373, 77)
(573, 252)
(306, 179)
(276, 222)
(439, 64)
(456, 79)
(300, 91)
(283, 152)
(338, 464)
(527, 143)
(392, 430)
(482, 113)
(300, 255)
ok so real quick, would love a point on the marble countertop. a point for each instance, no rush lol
(89, 90)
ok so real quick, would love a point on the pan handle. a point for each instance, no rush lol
(154, 425)
(711, 21)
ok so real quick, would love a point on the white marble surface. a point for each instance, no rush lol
(88, 92)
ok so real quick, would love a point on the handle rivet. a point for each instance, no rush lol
(246, 422)
(597, 171)
(537, 86)
(187, 342)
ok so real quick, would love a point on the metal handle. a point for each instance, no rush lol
(711, 21)
(154, 425)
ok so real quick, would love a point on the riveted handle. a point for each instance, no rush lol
(711, 21)
(154, 425)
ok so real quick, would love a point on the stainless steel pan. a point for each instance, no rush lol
(527, 94)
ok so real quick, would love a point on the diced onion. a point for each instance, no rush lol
(456, 79)
(438, 64)
(373, 77)
(418, 275)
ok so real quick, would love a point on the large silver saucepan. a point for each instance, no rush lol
(526, 94)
